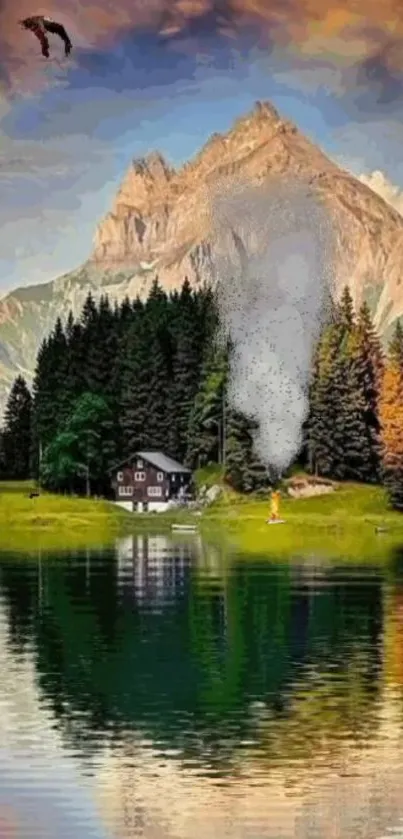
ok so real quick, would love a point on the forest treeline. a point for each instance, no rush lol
(152, 375)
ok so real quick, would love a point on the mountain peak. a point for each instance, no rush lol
(262, 112)
(161, 219)
(153, 165)
(158, 207)
(162, 215)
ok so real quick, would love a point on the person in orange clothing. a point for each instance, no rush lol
(274, 505)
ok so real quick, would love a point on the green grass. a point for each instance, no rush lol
(342, 523)
(56, 521)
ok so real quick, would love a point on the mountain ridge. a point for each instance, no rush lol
(159, 225)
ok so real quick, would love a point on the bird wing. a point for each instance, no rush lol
(58, 29)
(43, 40)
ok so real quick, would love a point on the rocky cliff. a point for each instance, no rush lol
(160, 225)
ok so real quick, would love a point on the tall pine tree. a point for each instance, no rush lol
(17, 431)
(187, 333)
(135, 377)
(343, 435)
(157, 319)
(325, 427)
(75, 380)
(206, 443)
(243, 469)
(51, 401)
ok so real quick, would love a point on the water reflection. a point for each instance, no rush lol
(150, 572)
(208, 694)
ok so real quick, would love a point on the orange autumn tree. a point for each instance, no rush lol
(391, 420)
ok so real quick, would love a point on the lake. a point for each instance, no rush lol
(168, 689)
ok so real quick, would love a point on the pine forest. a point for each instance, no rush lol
(152, 376)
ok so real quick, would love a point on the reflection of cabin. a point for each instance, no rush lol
(153, 569)
(148, 481)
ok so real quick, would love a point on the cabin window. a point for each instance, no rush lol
(173, 478)
(139, 476)
(120, 476)
(140, 464)
(160, 476)
(154, 492)
(126, 491)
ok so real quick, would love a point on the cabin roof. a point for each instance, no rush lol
(160, 460)
(163, 462)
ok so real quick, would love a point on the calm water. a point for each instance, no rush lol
(163, 690)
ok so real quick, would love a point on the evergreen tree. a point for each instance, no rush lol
(125, 311)
(109, 368)
(325, 431)
(342, 434)
(89, 316)
(135, 380)
(186, 368)
(75, 381)
(207, 419)
(51, 402)
(89, 332)
(59, 362)
(3, 474)
(243, 469)
(359, 443)
(158, 402)
(164, 380)
(369, 361)
(100, 346)
(157, 322)
(345, 311)
(17, 431)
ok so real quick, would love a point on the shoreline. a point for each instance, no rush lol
(353, 520)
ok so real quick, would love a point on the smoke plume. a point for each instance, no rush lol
(274, 279)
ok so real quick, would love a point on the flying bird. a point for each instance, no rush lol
(40, 25)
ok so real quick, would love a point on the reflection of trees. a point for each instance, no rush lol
(324, 715)
(188, 673)
(393, 625)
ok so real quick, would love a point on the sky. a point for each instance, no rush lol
(150, 74)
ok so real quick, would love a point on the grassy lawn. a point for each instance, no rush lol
(58, 522)
(55, 521)
(343, 523)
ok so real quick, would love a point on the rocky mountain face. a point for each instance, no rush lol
(160, 225)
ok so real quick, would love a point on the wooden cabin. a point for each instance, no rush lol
(148, 481)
